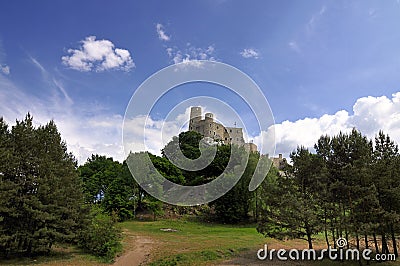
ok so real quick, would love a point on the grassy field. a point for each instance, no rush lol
(60, 255)
(193, 243)
(213, 244)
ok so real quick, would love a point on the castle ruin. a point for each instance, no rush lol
(216, 131)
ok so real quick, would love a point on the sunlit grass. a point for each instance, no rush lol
(198, 243)
(194, 243)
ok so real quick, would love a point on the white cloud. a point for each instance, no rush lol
(98, 55)
(370, 114)
(250, 53)
(86, 129)
(191, 54)
(89, 130)
(161, 33)
(5, 69)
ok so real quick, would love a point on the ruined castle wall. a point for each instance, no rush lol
(209, 128)
(234, 135)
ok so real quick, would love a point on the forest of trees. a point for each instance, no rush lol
(109, 183)
(348, 187)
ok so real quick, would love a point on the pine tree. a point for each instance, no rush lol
(387, 173)
(41, 199)
(293, 210)
(8, 191)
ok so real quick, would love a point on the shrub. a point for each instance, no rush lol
(102, 235)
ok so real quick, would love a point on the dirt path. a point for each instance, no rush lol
(138, 250)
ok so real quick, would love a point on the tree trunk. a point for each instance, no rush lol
(376, 243)
(385, 248)
(333, 235)
(29, 249)
(394, 241)
(346, 234)
(326, 230)
(309, 240)
(366, 244)
(357, 242)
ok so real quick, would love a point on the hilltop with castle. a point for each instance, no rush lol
(209, 128)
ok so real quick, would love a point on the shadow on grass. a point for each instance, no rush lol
(57, 254)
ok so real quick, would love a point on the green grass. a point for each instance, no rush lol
(198, 243)
(194, 243)
(60, 255)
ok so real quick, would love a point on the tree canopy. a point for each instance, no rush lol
(41, 192)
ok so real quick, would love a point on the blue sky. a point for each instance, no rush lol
(324, 66)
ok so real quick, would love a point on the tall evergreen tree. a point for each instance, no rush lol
(41, 199)
(294, 210)
(387, 182)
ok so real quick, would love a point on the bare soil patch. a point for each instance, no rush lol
(137, 248)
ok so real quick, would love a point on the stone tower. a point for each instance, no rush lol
(195, 117)
(209, 117)
(210, 128)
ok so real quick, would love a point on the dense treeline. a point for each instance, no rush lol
(41, 199)
(108, 183)
(349, 188)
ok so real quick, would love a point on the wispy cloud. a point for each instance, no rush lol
(191, 54)
(38, 65)
(60, 86)
(161, 33)
(50, 79)
(86, 129)
(5, 69)
(310, 27)
(250, 53)
(294, 46)
(188, 54)
(98, 55)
